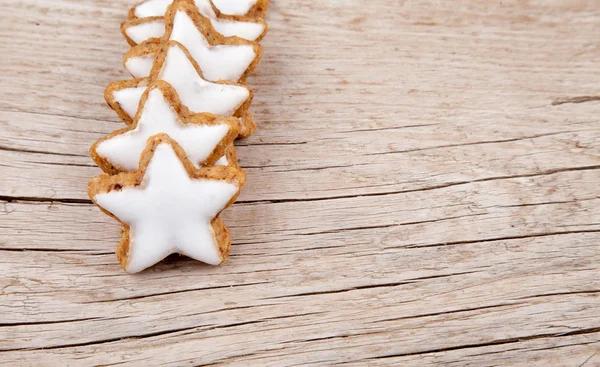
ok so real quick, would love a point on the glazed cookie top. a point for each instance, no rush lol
(149, 22)
(204, 137)
(139, 59)
(226, 61)
(219, 57)
(158, 8)
(167, 206)
(234, 7)
(139, 30)
(175, 66)
(153, 8)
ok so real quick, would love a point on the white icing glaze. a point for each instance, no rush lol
(158, 116)
(129, 99)
(169, 212)
(246, 30)
(234, 7)
(195, 93)
(140, 66)
(222, 62)
(143, 31)
(152, 8)
(158, 8)
(222, 161)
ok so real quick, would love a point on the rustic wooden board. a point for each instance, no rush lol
(423, 189)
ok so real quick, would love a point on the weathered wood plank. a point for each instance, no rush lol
(422, 190)
(560, 202)
(496, 301)
(323, 165)
(374, 250)
(564, 351)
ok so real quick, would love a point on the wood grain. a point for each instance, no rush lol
(423, 190)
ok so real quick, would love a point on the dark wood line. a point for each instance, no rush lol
(20, 150)
(484, 142)
(593, 291)
(454, 243)
(158, 333)
(580, 99)
(338, 197)
(446, 312)
(371, 286)
(490, 343)
(58, 115)
(35, 323)
(174, 292)
(429, 188)
(87, 252)
(31, 199)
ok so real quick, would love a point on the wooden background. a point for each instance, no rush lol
(423, 189)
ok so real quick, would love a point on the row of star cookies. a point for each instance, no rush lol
(241, 18)
(215, 59)
(172, 171)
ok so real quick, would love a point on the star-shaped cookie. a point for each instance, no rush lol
(175, 65)
(204, 137)
(149, 22)
(168, 206)
(219, 57)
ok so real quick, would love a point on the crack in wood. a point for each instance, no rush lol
(9, 198)
(29, 199)
(61, 164)
(173, 292)
(491, 343)
(259, 144)
(39, 323)
(428, 188)
(454, 243)
(85, 118)
(503, 305)
(41, 249)
(389, 225)
(102, 341)
(588, 359)
(484, 142)
(322, 168)
(533, 349)
(161, 333)
(580, 99)
(594, 291)
(390, 128)
(371, 286)
(21, 150)
(544, 203)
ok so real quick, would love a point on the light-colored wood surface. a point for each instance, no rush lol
(423, 189)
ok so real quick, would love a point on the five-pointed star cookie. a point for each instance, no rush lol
(175, 66)
(219, 57)
(204, 137)
(149, 22)
(168, 206)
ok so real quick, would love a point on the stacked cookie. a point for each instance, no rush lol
(173, 169)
